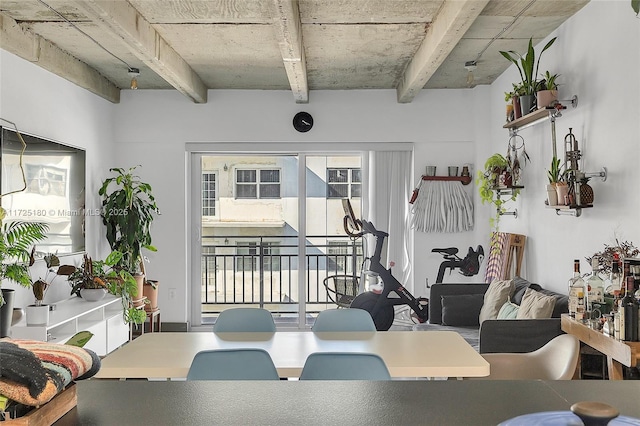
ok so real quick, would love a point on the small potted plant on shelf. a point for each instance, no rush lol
(557, 184)
(496, 176)
(528, 68)
(38, 313)
(547, 93)
(102, 276)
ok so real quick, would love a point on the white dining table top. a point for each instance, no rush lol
(406, 353)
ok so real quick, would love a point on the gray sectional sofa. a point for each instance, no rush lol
(456, 307)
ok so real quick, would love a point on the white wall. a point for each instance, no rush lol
(45, 105)
(598, 60)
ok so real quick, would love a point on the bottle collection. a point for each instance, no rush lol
(613, 304)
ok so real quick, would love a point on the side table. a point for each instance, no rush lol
(618, 352)
(154, 325)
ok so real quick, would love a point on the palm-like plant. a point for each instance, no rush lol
(526, 65)
(16, 241)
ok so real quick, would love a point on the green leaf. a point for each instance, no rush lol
(635, 5)
(4, 401)
(80, 339)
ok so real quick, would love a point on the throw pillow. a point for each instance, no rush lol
(508, 311)
(462, 309)
(536, 305)
(496, 295)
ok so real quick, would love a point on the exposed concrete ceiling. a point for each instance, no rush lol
(298, 45)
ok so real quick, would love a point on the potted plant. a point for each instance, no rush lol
(557, 184)
(528, 68)
(104, 276)
(16, 239)
(547, 93)
(495, 176)
(38, 313)
(128, 210)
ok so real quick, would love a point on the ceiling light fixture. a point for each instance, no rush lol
(470, 66)
(473, 64)
(134, 73)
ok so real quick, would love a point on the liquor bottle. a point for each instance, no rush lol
(613, 281)
(576, 285)
(630, 308)
(595, 286)
(580, 311)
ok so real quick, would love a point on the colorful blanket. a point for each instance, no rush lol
(33, 372)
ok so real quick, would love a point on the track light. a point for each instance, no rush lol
(134, 73)
(470, 66)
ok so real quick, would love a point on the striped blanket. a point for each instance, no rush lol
(33, 372)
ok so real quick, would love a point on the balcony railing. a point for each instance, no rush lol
(263, 271)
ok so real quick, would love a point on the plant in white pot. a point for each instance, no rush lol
(128, 210)
(38, 313)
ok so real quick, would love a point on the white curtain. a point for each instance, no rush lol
(390, 186)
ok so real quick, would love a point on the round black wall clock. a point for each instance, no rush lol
(302, 122)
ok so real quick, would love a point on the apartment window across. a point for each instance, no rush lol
(248, 256)
(344, 183)
(340, 257)
(258, 183)
(208, 194)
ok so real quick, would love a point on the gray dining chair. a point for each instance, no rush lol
(233, 364)
(348, 319)
(344, 366)
(557, 360)
(244, 319)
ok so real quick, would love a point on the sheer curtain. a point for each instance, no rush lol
(388, 208)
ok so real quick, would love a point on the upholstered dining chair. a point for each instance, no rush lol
(244, 319)
(344, 366)
(349, 319)
(233, 364)
(557, 360)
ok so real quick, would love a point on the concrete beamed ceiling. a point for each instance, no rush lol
(300, 45)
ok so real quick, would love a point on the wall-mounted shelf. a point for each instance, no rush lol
(570, 210)
(507, 190)
(540, 115)
(466, 180)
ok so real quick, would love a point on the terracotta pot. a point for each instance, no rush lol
(563, 194)
(152, 295)
(546, 98)
(138, 301)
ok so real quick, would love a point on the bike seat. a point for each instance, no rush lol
(450, 250)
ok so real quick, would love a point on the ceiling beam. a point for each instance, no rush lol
(289, 34)
(446, 30)
(126, 24)
(33, 48)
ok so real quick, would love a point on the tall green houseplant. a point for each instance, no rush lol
(128, 209)
(527, 65)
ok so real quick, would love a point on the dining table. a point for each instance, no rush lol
(168, 355)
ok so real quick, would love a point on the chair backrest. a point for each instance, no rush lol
(557, 360)
(344, 366)
(233, 364)
(349, 319)
(244, 319)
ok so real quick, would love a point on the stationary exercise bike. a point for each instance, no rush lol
(380, 305)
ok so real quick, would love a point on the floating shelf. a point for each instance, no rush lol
(540, 114)
(573, 210)
(466, 180)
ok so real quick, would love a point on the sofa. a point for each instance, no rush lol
(456, 307)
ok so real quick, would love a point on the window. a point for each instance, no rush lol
(339, 257)
(258, 183)
(247, 256)
(208, 194)
(344, 183)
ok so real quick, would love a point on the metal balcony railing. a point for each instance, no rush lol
(263, 271)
